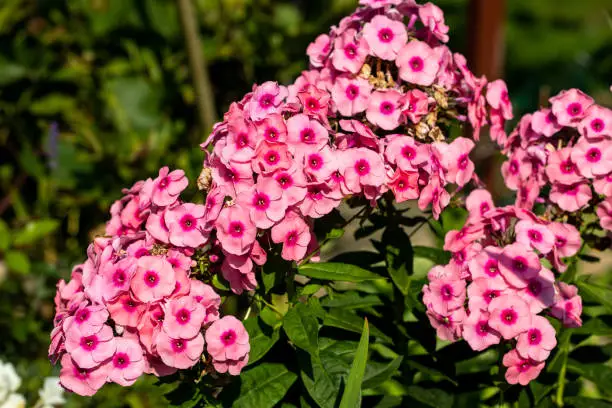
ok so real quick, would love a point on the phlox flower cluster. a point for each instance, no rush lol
(565, 152)
(501, 283)
(135, 306)
(371, 115)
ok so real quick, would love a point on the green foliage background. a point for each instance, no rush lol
(95, 94)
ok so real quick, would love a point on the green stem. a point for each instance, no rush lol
(561, 381)
(271, 306)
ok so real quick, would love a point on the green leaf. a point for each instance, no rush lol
(374, 379)
(5, 236)
(336, 271)
(262, 386)
(11, 72)
(352, 300)
(430, 396)
(398, 258)
(261, 338)
(351, 322)
(438, 256)
(600, 374)
(302, 328)
(583, 402)
(596, 293)
(34, 231)
(17, 262)
(352, 393)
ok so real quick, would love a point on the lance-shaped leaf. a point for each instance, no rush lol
(352, 393)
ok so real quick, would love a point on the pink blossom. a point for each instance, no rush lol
(538, 341)
(478, 203)
(233, 179)
(127, 363)
(509, 315)
(455, 158)
(497, 97)
(235, 230)
(227, 339)
(207, 297)
(179, 353)
(89, 351)
(405, 185)
(315, 102)
(417, 63)
(521, 370)
(233, 367)
(603, 185)
(384, 109)
(433, 18)
(568, 308)
(477, 333)
(318, 201)
(293, 182)
(570, 198)
(482, 291)
(435, 194)
(604, 212)
(456, 240)
(270, 157)
(593, 159)
(518, 264)
(319, 50)
(561, 168)
(239, 281)
(447, 327)
(349, 54)
(486, 265)
(536, 235)
(87, 320)
(167, 186)
(81, 381)
(305, 131)
(156, 227)
(294, 234)
(266, 203)
(516, 169)
(569, 107)
(539, 292)
(380, 3)
(408, 154)
(318, 164)
(415, 105)
(185, 224)
(240, 145)
(544, 122)
(183, 317)
(597, 122)
(446, 295)
(364, 168)
(567, 238)
(266, 99)
(385, 37)
(351, 95)
(125, 310)
(272, 128)
(153, 280)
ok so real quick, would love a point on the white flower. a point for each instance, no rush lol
(13, 401)
(52, 393)
(9, 382)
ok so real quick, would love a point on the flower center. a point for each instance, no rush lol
(315, 162)
(463, 161)
(271, 134)
(593, 155)
(482, 328)
(291, 238)
(350, 50)
(574, 109)
(535, 236)
(534, 287)
(119, 277)
(272, 157)
(446, 291)
(597, 125)
(514, 167)
(535, 337)
(163, 183)
(178, 345)
(352, 92)
(362, 167)
(236, 229)
(188, 222)
(151, 278)
(121, 360)
(266, 101)
(261, 201)
(387, 108)
(83, 315)
(228, 337)
(89, 343)
(567, 167)
(408, 152)
(183, 316)
(307, 135)
(416, 64)
(509, 316)
(385, 35)
(285, 181)
(519, 264)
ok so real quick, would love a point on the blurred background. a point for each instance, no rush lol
(96, 94)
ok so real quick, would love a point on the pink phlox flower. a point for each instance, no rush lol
(539, 292)
(227, 339)
(125, 310)
(482, 291)
(405, 185)
(571, 197)
(167, 186)
(385, 37)
(521, 370)
(570, 107)
(127, 363)
(456, 240)
(82, 381)
(154, 279)
(88, 320)
(433, 18)
(518, 264)
(435, 194)
(486, 265)
(315, 102)
(447, 327)
(267, 98)
(271, 157)
(351, 95)
(497, 97)
(592, 158)
(184, 317)
(318, 164)
(89, 351)
(544, 122)
(407, 153)
(604, 212)
(384, 109)
(446, 295)
(509, 315)
(364, 167)
(266, 202)
(186, 225)
(179, 353)
(349, 53)
(478, 203)
(303, 130)
(318, 201)
(415, 105)
(536, 235)
(538, 341)
(477, 333)
(293, 183)
(235, 229)
(318, 50)
(561, 168)
(207, 297)
(272, 128)
(418, 63)
(597, 122)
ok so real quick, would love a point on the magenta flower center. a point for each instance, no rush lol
(183, 316)
(236, 229)
(387, 108)
(560, 242)
(261, 201)
(307, 135)
(408, 152)
(271, 134)
(129, 305)
(80, 373)
(188, 222)
(228, 337)
(163, 183)
(402, 184)
(362, 167)
(285, 181)
(291, 238)
(524, 365)
(315, 161)
(463, 161)
(446, 291)
(593, 155)
(535, 337)
(89, 343)
(350, 51)
(534, 287)
(597, 125)
(315, 193)
(385, 35)
(121, 360)
(509, 316)
(312, 104)
(352, 92)
(141, 252)
(83, 315)
(266, 101)
(519, 264)
(484, 207)
(489, 295)
(242, 140)
(482, 328)
(567, 167)
(272, 157)
(535, 235)
(514, 167)
(178, 345)
(459, 257)
(416, 64)
(574, 109)
(151, 278)
(119, 277)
